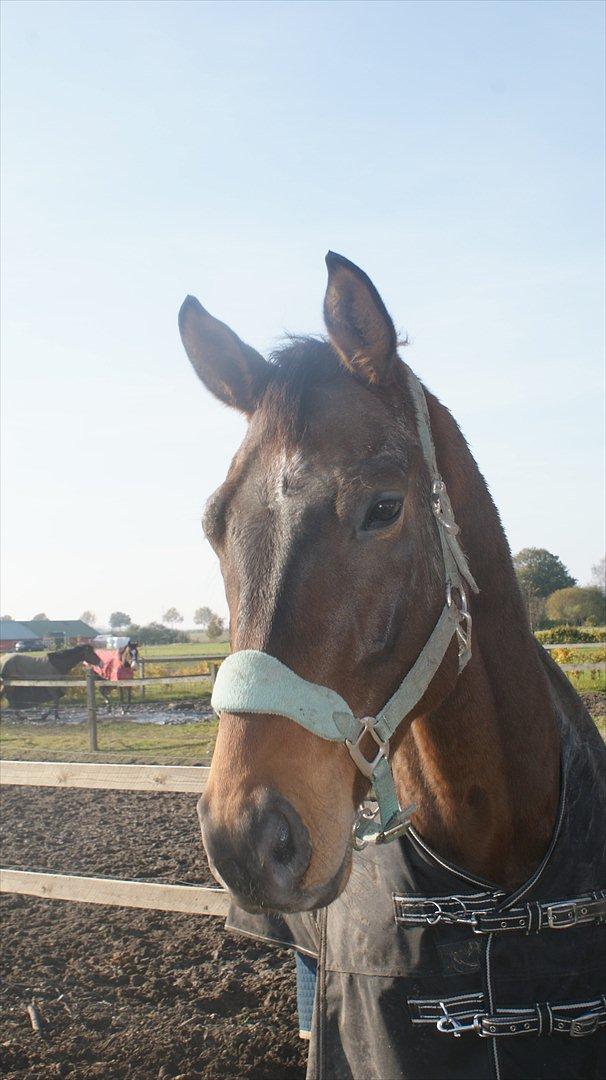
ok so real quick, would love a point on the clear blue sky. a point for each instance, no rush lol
(152, 149)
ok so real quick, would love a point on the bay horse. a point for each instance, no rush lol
(117, 666)
(55, 665)
(354, 524)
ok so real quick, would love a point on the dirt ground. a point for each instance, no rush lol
(127, 993)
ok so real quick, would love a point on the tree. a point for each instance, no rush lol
(540, 573)
(577, 606)
(88, 617)
(155, 634)
(202, 616)
(536, 611)
(118, 619)
(214, 628)
(172, 616)
(40, 617)
(7, 618)
(598, 575)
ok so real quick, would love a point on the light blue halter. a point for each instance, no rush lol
(255, 682)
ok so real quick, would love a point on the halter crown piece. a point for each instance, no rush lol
(255, 682)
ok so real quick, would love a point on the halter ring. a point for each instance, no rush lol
(367, 724)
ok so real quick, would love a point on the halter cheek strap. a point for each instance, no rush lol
(255, 682)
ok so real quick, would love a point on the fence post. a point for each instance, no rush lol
(91, 708)
(142, 663)
(214, 667)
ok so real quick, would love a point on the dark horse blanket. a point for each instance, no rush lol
(427, 972)
(20, 666)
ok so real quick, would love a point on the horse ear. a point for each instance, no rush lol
(358, 323)
(232, 371)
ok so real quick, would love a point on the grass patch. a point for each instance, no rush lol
(186, 648)
(586, 681)
(120, 741)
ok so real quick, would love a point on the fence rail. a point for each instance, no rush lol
(188, 899)
(159, 896)
(160, 680)
(576, 645)
(182, 659)
(189, 779)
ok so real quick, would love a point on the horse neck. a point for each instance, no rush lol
(66, 659)
(483, 767)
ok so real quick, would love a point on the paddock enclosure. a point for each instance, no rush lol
(123, 991)
(135, 977)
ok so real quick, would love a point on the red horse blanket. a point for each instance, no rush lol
(112, 669)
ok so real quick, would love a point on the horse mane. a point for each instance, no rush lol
(300, 366)
(63, 660)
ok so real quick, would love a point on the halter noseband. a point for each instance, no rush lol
(255, 682)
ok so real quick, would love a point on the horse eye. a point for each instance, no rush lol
(384, 512)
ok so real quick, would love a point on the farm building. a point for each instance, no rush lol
(59, 632)
(11, 632)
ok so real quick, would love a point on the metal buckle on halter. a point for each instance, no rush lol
(464, 623)
(364, 833)
(367, 724)
(441, 506)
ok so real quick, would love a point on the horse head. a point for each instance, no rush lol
(332, 565)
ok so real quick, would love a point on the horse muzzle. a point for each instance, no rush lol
(263, 855)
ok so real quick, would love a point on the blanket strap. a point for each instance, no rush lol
(482, 913)
(574, 1019)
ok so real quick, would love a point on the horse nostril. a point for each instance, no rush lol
(283, 844)
(284, 849)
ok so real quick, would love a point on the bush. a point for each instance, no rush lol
(578, 606)
(561, 635)
(155, 634)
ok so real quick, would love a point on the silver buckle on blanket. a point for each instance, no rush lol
(464, 918)
(584, 1025)
(449, 1025)
(367, 725)
(563, 915)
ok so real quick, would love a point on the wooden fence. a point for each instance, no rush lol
(91, 683)
(213, 660)
(158, 896)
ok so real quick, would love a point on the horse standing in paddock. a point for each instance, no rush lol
(454, 922)
(117, 666)
(55, 665)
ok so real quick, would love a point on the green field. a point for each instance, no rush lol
(188, 648)
(120, 741)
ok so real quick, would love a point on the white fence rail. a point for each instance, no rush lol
(190, 779)
(158, 896)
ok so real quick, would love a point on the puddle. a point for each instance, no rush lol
(169, 713)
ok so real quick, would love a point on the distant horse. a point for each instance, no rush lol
(55, 665)
(117, 666)
(357, 540)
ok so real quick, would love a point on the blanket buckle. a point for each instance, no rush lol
(449, 1025)
(584, 1025)
(561, 916)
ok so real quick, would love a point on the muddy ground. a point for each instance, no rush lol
(127, 993)
(185, 711)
